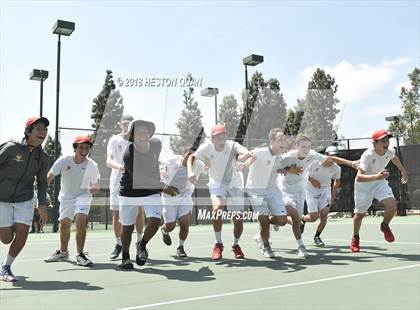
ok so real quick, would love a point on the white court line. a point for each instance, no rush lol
(177, 301)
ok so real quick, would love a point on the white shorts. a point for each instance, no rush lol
(234, 197)
(270, 203)
(176, 207)
(129, 208)
(114, 202)
(296, 200)
(17, 212)
(70, 207)
(363, 196)
(318, 198)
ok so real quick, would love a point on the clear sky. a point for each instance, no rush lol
(368, 46)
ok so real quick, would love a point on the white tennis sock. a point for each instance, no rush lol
(139, 237)
(118, 240)
(218, 236)
(235, 241)
(300, 242)
(8, 260)
(181, 242)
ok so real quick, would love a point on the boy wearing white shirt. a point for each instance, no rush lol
(79, 182)
(225, 183)
(371, 183)
(319, 195)
(116, 148)
(179, 207)
(266, 198)
(293, 185)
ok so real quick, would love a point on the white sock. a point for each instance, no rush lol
(218, 236)
(118, 240)
(8, 260)
(181, 242)
(235, 241)
(300, 242)
(139, 237)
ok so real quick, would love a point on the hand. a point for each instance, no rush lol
(404, 178)
(282, 171)
(295, 170)
(355, 164)
(382, 174)
(192, 178)
(315, 183)
(43, 214)
(171, 190)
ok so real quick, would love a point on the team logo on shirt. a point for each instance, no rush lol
(317, 169)
(373, 162)
(18, 157)
(68, 168)
(268, 162)
(211, 156)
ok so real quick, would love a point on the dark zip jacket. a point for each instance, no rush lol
(19, 166)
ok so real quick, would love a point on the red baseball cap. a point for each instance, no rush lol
(219, 128)
(82, 139)
(35, 119)
(380, 134)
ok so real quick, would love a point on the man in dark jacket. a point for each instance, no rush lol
(20, 164)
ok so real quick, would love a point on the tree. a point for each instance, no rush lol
(189, 123)
(266, 109)
(229, 115)
(408, 124)
(107, 110)
(293, 123)
(319, 107)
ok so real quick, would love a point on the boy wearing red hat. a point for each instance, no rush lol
(225, 183)
(371, 183)
(20, 163)
(79, 182)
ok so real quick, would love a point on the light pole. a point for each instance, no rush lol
(39, 75)
(65, 28)
(251, 60)
(211, 92)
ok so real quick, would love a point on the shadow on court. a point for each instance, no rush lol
(24, 284)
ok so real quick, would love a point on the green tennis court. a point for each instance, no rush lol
(381, 276)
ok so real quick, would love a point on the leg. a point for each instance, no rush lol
(323, 219)
(152, 227)
(21, 235)
(390, 209)
(65, 225)
(238, 227)
(140, 224)
(6, 234)
(116, 224)
(218, 203)
(81, 221)
(127, 230)
(168, 227)
(357, 223)
(278, 220)
(311, 217)
(264, 229)
(184, 226)
(294, 218)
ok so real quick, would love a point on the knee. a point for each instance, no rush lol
(313, 216)
(6, 237)
(280, 221)
(170, 226)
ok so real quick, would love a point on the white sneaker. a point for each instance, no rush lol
(267, 252)
(302, 252)
(57, 256)
(83, 260)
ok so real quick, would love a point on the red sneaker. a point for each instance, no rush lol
(354, 245)
(389, 236)
(217, 251)
(237, 251)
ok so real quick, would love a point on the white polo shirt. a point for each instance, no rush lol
(219, 170)
(372, 163)
(296, 182)
(323, 174)
(263, 171)
(75, 178)
(116, 148)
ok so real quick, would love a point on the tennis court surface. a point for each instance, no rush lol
(382, 276)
